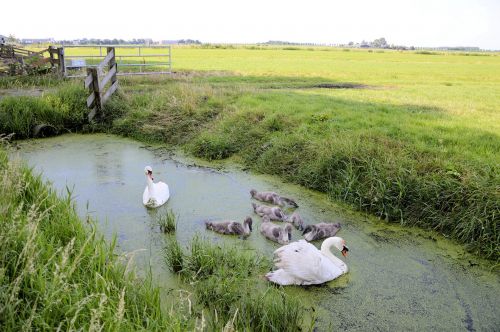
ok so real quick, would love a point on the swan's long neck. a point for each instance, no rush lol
(150, 184)
(326, 247)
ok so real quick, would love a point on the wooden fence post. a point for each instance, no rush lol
(51, 54)
(95, 93)
(62, 64)
(112, 63)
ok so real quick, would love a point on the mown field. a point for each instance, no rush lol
(412, 137)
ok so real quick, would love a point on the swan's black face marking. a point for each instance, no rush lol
(345, 250)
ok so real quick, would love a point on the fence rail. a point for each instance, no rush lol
(139, 59)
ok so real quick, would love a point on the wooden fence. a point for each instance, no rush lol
(97, 87)
(59, 61)
(25, 61)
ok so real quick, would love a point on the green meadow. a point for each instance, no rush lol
(412, 137)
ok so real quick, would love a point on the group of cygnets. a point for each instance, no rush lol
(271, 231)
(297, 263)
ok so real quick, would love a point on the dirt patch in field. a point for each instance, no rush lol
(340, 86)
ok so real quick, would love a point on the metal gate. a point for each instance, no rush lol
(131, 59)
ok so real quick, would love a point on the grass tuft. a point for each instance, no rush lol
(167, 222)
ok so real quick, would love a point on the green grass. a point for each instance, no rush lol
(413, 164)
(167, 222)
(63, 110)
(418, 144)
(227, 287)
(30, 81)
(57, 273)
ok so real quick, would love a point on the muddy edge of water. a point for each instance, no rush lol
(400, 278)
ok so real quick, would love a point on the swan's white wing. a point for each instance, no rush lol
(306, 264)
(159, 195)
(162, 194)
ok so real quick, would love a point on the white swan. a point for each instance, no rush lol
(300, 263)
(155, 194)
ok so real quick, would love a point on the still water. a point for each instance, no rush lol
(399, 278)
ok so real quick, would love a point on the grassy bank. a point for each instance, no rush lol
(412, 138)
(413, 164)
(57, 273)
(62, 110)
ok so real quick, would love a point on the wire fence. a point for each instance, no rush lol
(131, 59)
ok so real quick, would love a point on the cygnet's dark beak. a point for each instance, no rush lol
(344, 251)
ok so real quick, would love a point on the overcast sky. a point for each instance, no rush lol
(404, 22)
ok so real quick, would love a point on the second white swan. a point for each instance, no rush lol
(300, 263)
(155, 194)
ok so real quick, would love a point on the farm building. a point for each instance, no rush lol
(37, 40)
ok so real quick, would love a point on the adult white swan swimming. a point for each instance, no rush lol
(155, 194)
(300, 263)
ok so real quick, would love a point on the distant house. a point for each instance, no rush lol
(3, 40)
(169, 42)
(37, 41)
